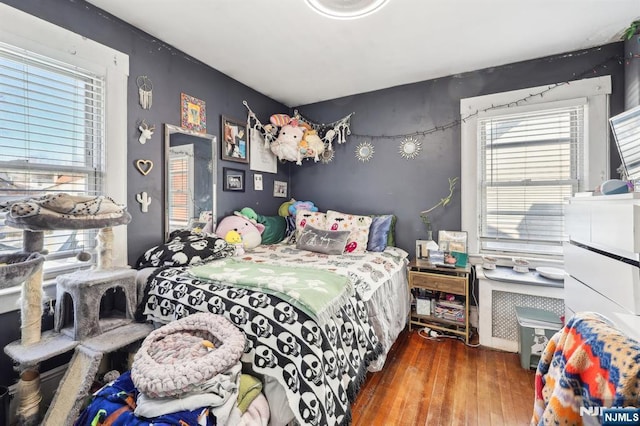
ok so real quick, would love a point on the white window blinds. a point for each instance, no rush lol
(530, 165)
(51, 140)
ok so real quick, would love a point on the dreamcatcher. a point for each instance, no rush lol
(145, 91)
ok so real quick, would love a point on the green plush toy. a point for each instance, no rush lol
(275, 227)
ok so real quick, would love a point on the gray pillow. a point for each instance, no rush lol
(322, 241)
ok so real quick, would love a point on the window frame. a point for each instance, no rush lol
(28, 32)
(596, 139)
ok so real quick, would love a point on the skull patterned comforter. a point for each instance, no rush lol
(320, 370)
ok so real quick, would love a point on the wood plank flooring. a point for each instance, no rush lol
(426, 382)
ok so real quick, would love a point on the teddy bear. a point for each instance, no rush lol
(249, 230)
(311, 145)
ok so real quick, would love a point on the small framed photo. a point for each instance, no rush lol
(452, 241)
(233, 179)
(257, 182)
(279, 189)
(193, 113)
(235, 141)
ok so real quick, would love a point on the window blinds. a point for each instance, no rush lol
(530, 165)
(51, 140)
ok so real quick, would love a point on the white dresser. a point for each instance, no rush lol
(602, 258)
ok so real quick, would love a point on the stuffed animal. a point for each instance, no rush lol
(234, 238)
(302, 205)
(285, 147)
(311, 146)
(283, 210)
(250, 231)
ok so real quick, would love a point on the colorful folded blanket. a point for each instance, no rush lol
(590, 364)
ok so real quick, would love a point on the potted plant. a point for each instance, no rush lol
(424, 215)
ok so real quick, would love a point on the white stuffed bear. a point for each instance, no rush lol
(285, 147)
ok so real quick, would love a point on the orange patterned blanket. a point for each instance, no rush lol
(590, 364)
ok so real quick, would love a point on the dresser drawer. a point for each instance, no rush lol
(439, 282)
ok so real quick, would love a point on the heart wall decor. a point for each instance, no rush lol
(144, 166)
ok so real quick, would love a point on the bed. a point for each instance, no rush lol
(312, 366)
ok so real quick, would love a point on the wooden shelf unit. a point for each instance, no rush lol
(425, 275)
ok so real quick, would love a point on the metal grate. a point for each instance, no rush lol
(504, 324)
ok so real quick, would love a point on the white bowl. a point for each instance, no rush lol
(551, 273)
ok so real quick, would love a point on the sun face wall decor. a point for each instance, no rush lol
(410, 147)
(364, 151)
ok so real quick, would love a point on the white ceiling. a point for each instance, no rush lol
(286, 51)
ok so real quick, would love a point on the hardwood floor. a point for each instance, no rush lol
(426, 382)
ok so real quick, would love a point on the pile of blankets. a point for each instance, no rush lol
(590, 364)
(186, 372)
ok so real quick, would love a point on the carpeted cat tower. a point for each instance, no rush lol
(90, 336)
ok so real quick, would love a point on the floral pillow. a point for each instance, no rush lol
(358, 225)
(305, 217)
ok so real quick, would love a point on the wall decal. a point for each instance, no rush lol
(144, 200)
(146, 132)
(144, 166)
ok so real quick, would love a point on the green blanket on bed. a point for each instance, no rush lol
(318, 293)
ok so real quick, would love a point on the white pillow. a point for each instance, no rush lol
(358, 225)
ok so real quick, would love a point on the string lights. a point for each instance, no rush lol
(458, 121)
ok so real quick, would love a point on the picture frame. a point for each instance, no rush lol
(257, 182)
(452, 241)
(279, 189)
(233, 179)
(193, 113)
(234, 141)
(261, 157)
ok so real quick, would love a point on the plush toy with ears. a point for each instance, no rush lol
(249, 231)
(285, 147)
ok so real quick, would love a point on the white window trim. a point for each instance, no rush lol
(34, 34)
(596, 90)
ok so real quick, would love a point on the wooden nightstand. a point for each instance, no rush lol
(434, 282)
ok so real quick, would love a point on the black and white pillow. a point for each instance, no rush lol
(185, 247)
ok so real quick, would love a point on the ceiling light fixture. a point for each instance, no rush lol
(346, 9)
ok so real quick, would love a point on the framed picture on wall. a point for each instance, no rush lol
(235, 141)
(279, 188)
(193, 113)
(233, 179)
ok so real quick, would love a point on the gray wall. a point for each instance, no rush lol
(172, 72)
(387, 183)
(632, 72)
(390, 184)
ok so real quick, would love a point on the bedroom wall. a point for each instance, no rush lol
(171, 72)
(390, 183)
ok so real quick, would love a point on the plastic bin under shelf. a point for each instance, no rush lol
(536, 327)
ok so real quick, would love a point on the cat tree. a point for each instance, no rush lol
(90, 336)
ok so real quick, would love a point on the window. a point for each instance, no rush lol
(529, 167)
(526, 161)
(63, 118)
(51, 137)
(180, 186)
